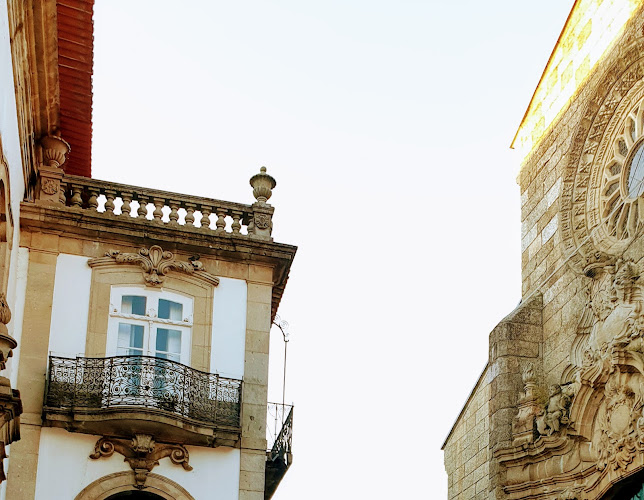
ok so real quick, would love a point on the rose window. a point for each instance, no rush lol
(622, 205)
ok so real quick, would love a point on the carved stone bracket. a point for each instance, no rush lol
(7, 342)
(155, 263)
(142, 453)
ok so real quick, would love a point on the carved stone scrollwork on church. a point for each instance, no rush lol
(156, 263)
(611, 344)
(142, 453)
(572, 493)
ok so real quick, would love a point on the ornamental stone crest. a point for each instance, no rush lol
(156, 263)
(610, 361)
(142, 453)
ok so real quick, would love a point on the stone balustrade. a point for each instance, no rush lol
(56, 189)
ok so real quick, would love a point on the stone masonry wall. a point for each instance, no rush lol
(466, 449)
(543, 260)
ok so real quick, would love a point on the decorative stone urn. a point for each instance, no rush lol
(54, 150)
(263, 185)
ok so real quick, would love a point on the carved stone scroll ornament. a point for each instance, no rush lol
(7, 342)
(572, 493)
(142, 453)
(608, 355)
(156, 263)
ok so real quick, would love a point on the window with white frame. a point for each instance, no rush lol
(150, 322)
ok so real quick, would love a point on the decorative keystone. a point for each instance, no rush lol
(263, 185)
(54, 150)
(142, 453)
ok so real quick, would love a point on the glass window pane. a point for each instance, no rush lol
(168, 340)
(133, 304)
(130, 336)
(170, 310)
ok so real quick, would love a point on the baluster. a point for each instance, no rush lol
(236, 227)
(126, 208)
(174, 212)
(190, 214)
(221, 220)
(63, 187)
(77, 200)
(143, 206)
(110, 194)
(158, 213)
(92, 202)
(205, 216)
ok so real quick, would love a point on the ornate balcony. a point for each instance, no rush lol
(122, 395)
(280, 438)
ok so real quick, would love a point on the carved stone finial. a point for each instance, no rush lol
(527, 373)
(142, 453)
(262, 184)
(54, 150)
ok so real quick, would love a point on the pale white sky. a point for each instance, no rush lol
(387, 125)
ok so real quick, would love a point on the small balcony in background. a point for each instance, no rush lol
(123, 395)
(279, 430)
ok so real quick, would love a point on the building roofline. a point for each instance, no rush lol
(467, 402)
(545, 70)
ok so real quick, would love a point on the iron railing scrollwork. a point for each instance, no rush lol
(143, 381)
(280, 443)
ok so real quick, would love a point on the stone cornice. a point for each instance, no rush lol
(113, 229)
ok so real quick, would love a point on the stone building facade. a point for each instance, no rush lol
(134, 321)
(558, 412)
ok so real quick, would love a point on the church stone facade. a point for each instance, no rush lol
(558, 412)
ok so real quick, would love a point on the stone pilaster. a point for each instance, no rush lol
(515, 341)
(255, 390)
(34, 346)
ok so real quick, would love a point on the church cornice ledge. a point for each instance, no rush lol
(542, 449)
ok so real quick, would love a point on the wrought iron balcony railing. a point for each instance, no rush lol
(279, 430)
(96, 384)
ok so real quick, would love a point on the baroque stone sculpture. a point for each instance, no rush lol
(142, 453)
(556, 412)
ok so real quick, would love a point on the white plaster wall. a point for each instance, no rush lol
(70, 307)
(229, 328)
(64, 468)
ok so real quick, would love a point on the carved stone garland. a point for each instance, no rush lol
(142, 453)
(156, 263)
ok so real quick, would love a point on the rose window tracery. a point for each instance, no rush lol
(622, 205)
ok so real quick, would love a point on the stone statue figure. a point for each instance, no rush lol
(555, 413)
